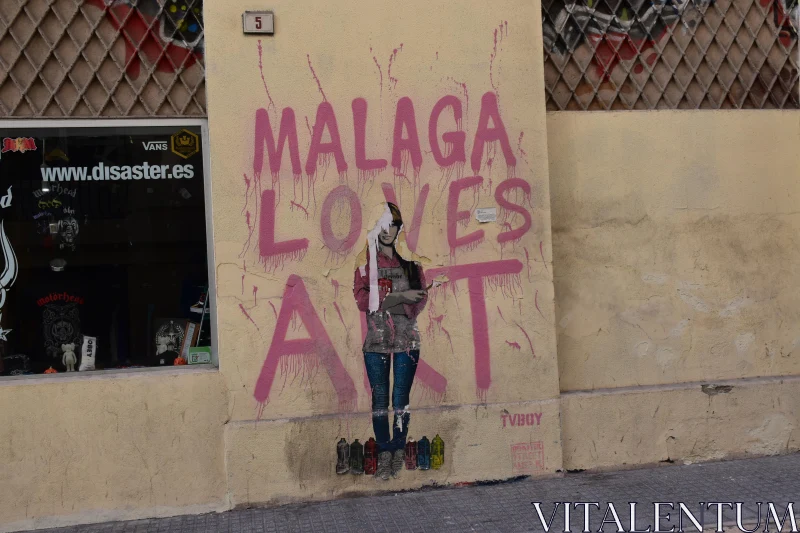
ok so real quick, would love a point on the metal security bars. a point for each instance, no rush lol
(101, 58)
(671, 54)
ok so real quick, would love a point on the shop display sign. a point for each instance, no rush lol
(102, 233)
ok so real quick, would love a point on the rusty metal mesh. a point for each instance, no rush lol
(671, 54)
(109, 58)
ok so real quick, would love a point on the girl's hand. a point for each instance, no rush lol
(404, 297)
(412, 296)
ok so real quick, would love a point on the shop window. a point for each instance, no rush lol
(103, 248)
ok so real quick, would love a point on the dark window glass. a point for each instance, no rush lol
(103, 245)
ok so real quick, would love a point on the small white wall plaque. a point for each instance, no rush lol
(258, 22)
(486, 214)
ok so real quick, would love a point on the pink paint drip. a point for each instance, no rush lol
(293, 204)
(536, 302)
(529, 339)
(246, 192)
(501, 314)
(392, 57)
(264, 81)
(437, 321)
(319, 85)
(243, 284)
(255, 294)
(380, 71)
(491, 62)
(275, 311)
(339, 312)
(277, 262)
(514, 345)
(481, 394)
(335, 288)
(450, 340)
(325, 314)
(528, 263)
(509, 285)
(466, 94)
(541, 252)
(248, 316)
(250, 230)
(522, 153)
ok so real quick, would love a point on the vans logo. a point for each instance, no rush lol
(155, 145)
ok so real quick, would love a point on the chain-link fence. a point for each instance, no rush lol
(671, 54)
(109, 58)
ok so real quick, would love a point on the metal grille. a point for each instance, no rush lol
(109, 58)
(671, 54)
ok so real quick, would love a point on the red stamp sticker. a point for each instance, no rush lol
(527, 458)
(20, 144)
(384, 288)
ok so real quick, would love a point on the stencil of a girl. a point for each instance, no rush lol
(389, 288)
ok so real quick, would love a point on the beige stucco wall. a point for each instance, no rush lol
(683, 423)
(110, 446)
(673, 249)
(675, 237)
(83, 449)
(380, 52)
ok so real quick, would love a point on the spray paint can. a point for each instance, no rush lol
(437, 452)
(424, 454)
(411, 454)
(342, 457)
(370, 457)
(356, 458)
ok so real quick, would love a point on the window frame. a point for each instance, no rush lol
(7, 124)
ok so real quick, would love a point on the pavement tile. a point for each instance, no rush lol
(506, 507)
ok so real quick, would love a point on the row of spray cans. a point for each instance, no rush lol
(363, 459)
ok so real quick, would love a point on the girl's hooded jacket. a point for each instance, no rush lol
(395, 329)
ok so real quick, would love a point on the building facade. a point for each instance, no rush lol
(190, 213)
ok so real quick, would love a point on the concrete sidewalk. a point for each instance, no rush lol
(507, 507)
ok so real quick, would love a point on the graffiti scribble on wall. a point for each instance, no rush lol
(632, 54)
(111, 58)
(373, 190)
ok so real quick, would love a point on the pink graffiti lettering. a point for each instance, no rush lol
(360, 127)
(405, 119)
(334, 243)
(316, 349)
(485, 134)
(325, 119)
(419, 209)
(271, 252)
(454, 216)
(476, 274)
(263, 135)
(527, 419)
(454, 140)
(499, 196)
(405, 143)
